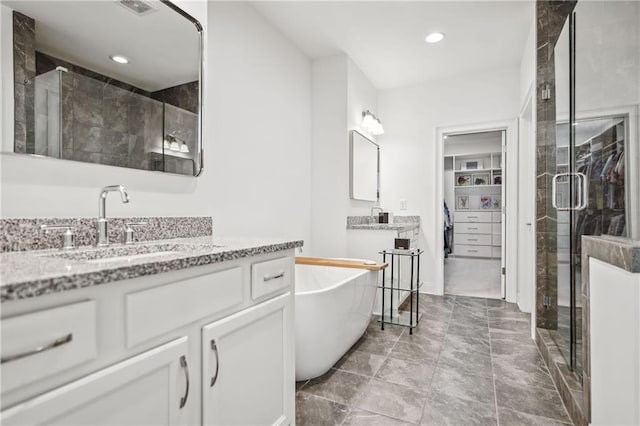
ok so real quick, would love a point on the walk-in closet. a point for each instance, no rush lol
(473, 234)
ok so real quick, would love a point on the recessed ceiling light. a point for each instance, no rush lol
(119, 59)
(434, 37)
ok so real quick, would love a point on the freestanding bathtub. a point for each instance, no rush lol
(333, 309)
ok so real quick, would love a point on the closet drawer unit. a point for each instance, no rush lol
(496, 217)
(472, 251)
(496, 252)
(473, 239)
(496, 240)
(496, 229)
(472, 228)
(270, 276)
(42, 343)
(472, 217)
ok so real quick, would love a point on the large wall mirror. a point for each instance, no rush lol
(108, 82)
(365, 160)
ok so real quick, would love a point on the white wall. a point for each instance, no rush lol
(411, 115)
(340, 92)
(257, 143)
(528, 61)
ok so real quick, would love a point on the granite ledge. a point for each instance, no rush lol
(618, 251)
(385, 226)
(36, 273)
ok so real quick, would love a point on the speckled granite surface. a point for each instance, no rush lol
(25, 234)
(400, 223)
(34, 273)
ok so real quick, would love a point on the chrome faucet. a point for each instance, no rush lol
(374, 219)
(102, 228)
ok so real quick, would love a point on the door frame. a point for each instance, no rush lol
(511, 129)
(526, 198)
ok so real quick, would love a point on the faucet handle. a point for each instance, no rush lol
(69, 236)
(128, 234)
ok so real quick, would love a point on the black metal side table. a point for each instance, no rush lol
(397, 285)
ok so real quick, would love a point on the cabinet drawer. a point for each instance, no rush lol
(472, 228)
(496, 217)
(496, 252)
(472, 216)
(270, 276)
(472, 251)
(473, 239)
(40, 344)
(496, 240)
(496, 229)
(159, 310)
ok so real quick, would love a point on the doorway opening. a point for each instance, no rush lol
(474, 222)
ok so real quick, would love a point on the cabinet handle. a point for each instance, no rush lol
(183, 364)
(58, 342)
(274, 276)
(473, 229)
(473, 239)
(472, 217)
(214, 348)
(473, 251)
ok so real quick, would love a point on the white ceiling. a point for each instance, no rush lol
(386, 39)
(162, 46)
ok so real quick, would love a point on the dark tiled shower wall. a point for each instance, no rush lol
(550, 18)
(24, 72)
(104, 120)
(185, 96)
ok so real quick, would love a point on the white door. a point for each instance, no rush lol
(147, 389)
(248, 366)
(503, 221)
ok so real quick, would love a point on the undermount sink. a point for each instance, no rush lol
(130, 253)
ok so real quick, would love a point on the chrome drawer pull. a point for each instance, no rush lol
(58, 342)
(473, 239)
(214, 348)
(183, 364)
(473, 229)
(273, 277)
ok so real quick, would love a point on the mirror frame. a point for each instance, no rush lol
(351, 158)
(199, 157)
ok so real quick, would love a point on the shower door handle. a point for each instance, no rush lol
(583, 187)
(554, 192)
(583, 192)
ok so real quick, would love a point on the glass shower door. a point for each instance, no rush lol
(591, 188)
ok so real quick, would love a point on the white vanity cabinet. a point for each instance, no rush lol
(245, 361)
(145, 346)
(150, 388)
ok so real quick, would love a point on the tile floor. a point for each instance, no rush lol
(462, 277)
(470, 362)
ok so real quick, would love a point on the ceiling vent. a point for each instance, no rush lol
(139, 7)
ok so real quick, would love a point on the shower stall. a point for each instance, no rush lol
(85, 119)
(591, 155)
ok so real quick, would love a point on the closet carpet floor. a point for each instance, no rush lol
(471, 361)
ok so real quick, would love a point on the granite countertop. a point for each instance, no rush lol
(619, 251)
(37, 272)
(385, 226)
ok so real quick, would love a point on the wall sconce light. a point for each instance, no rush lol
(171, 143)
(371, 123)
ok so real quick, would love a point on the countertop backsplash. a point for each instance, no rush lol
(25, 234)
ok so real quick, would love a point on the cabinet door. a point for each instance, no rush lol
(248, 366)
(146, 389)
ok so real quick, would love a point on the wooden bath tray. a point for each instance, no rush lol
(339, 263)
